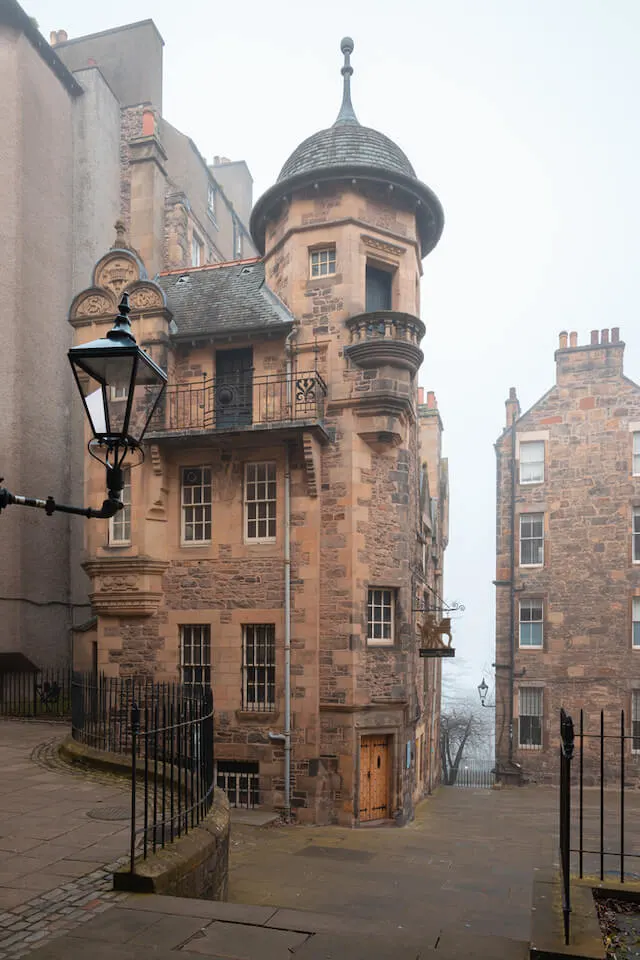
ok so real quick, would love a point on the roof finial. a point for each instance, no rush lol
(347, 113)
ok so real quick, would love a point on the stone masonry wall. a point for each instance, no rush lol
(588, 578)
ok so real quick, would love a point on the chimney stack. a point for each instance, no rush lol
(420, 396)
(58, 36)
(512, 406)
(604, 351)
(432, 403)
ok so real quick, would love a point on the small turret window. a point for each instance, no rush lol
(378, 289)
(323, 262)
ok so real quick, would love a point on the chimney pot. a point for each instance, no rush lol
(432, 403)
(62, 36)
(604, 336)
(563, 340)
(53, 37)
(573, 339)
(594, 337)
(512, 393)
(148, 123)
(420, 395)
(615, 334)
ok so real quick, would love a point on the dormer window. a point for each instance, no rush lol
(323, 262)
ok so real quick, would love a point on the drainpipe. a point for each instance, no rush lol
(287, 589)
(512, 587)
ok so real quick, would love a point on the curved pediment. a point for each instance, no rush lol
(119, 268)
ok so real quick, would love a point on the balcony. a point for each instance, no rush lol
(240, 402)
(385, 338)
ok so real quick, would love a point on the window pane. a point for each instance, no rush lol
(258, 666)
(260, 501)
(380, 606)
(636, 454)
(195, 653)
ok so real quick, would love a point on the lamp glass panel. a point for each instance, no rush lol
(147, 387)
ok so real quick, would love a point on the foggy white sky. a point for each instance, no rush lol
(520, 114)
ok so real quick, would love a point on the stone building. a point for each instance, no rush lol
(82, 144)
(568, 555)
(289, 522)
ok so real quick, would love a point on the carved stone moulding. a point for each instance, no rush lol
(126, 586)
(385, 352)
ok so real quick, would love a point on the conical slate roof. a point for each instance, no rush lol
(349, 149)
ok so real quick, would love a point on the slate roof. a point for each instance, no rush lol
(224, 299)
(347, 144)
(349, 150)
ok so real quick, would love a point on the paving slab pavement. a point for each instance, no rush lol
(56, 860)
(150, 926)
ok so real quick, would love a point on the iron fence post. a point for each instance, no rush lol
(567, 742)
(135, 727)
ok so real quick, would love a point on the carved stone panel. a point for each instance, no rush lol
(116, 271)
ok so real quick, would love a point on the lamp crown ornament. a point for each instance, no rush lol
(122, 325)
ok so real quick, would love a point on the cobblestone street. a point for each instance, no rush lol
(58, 841)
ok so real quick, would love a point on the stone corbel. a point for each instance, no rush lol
(158, 486)
(125, 586)
(312, 463)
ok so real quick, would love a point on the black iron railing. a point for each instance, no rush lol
(602, 839)
(167, 731)
(43, 693)
(566, 756)
(241, 401)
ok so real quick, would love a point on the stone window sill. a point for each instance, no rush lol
(258, 716)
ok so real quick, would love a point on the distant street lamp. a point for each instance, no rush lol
(483, 690)
(120, 387)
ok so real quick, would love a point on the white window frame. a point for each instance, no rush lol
(258, 671)
(530, 464)
(635, 456)
(197, 250)
(524, 699)
(379, 600)
(529, 516)
(190, 504)
(323, 257)
(531, 602)
(198, 637)
(635, 619)
(118, 392)
(266, 504)
(635, 535)
(121, 521)
(635, 721)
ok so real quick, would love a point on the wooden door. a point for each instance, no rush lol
(374, 778)
(234, 388)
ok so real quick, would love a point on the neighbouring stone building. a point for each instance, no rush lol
(288, 525)
(82, 144)
(568, 561)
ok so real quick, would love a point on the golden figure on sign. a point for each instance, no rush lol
(433, 631)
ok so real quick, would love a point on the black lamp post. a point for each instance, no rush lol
(120, 387)
(483, 690)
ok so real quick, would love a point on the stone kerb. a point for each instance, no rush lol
(194, 865)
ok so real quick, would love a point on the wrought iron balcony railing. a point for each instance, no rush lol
(241, 401)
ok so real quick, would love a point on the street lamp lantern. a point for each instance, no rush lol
(483, 689)
(119, 383)
(120, 386)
